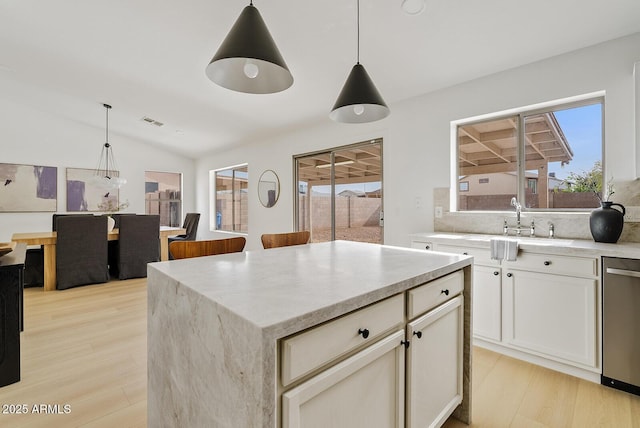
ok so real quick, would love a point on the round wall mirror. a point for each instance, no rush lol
(268, 188)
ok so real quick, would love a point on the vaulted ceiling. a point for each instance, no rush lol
(147, 57)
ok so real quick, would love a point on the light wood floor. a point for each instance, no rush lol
(512, 393)
(86, 348)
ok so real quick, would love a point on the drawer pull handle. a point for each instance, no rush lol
(418, 333)
(405, 343)
(509, 274)
(364, 332)
(547, 262)
(445, 292)
(496, 273)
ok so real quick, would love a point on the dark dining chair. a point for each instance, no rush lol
(138, 244)
(191, 221)
(190, 224)
(81, 251)
(188, 249)
(34, 260)
(117, 216)
(273, 240)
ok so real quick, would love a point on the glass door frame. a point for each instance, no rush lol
(332, 152)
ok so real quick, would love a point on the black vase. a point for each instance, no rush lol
(606, 223)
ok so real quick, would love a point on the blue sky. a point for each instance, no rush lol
(583, 128)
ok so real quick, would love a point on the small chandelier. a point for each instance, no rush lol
(106, 174)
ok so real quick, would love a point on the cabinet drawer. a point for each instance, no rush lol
(557, 264)
(480, 255)
(431, 294)
(422, 245)
(307, 351)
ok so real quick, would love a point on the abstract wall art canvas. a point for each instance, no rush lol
(84, 194)
(28, 188)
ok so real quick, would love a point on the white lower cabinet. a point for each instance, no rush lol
(365, 390)
(553, 315)
(434, 365)
(327, 381)
(487, 302)
(543, 308)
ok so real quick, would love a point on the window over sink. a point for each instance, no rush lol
(547, 156)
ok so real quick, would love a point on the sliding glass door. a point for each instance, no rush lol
(339, 193)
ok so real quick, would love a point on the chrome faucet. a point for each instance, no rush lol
(518, 207)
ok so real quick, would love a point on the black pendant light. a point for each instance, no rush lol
(359, 101)
(248, 59)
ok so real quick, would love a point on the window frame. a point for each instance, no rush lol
(521, 113)
(213, 205)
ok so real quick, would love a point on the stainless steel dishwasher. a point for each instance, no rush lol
(621, 324)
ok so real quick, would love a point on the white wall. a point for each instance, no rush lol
(417, 137)
(31, 136)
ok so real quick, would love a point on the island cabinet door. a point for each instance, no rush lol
(365, 390)
(434, 365)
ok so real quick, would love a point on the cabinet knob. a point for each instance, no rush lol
(405, 343)
(427, 247)
(418, 334)
(547, 262)
(364, 332)
(496, 273)
(465, 254)
(509, 274)
(445, 292)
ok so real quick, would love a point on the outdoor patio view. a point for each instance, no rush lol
(352, 211)
(232, 207)
(163, 196)
(562, 156)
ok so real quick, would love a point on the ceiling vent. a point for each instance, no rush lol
(152, 121)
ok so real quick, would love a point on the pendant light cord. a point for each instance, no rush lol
(358, 38)
(106, 138)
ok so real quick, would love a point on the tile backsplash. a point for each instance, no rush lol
(569, 225)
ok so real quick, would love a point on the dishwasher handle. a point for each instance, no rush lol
(623, 272)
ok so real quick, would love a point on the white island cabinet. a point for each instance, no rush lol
(337, 334)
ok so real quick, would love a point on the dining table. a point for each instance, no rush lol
(48, 241)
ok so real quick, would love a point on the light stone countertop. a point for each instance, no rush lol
(284, 290)
(213, 323)
(576, 247)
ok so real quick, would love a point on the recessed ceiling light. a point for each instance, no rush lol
(413, 7)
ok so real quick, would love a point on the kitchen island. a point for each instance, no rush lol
(227, 333)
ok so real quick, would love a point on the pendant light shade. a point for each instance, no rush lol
(248, 59)
(106, 174)
(359, 101)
